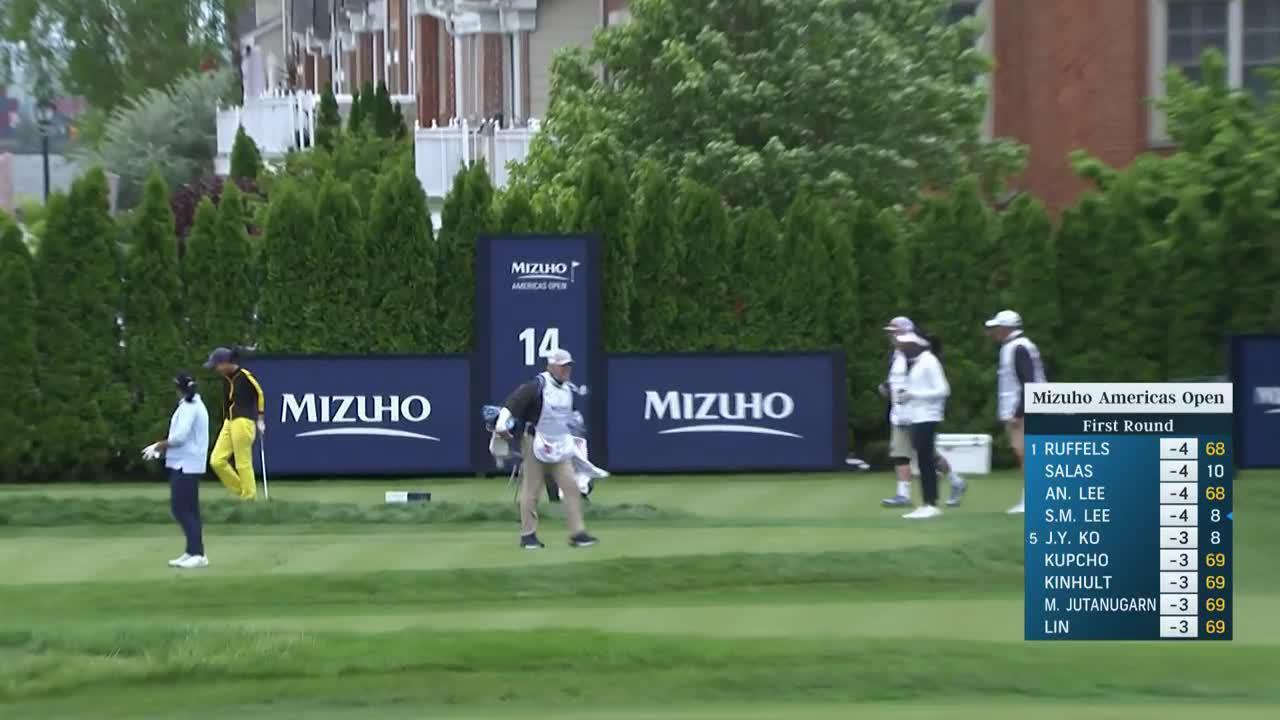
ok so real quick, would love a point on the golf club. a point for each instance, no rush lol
(262, 449)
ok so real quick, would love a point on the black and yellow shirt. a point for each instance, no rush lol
(244, 398)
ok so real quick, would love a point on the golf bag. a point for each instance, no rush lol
(507, 455)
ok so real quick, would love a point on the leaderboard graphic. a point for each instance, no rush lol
(1129, 519)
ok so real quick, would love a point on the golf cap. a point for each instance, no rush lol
(910, 338)
(559, 357)
(184, 382)
(218, 356)
(900, 324)
(1005, 319)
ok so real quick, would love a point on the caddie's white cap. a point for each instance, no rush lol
(910, 338)
(900, 324)
(1005, 319)
(559, 357)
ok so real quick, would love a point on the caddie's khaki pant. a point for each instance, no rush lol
(534, 481)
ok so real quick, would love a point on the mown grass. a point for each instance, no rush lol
(996, 560)
(27, 510)
(212, 645)
(480, 668)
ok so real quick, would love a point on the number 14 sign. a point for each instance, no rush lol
(536, 294)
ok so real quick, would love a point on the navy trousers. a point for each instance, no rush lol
(184, 501)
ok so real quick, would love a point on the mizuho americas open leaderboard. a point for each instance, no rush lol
(1129, 517)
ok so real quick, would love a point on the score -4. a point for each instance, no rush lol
(550, 343)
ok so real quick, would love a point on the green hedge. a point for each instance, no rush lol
(1145, 278)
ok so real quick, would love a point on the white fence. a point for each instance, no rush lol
(279, 123)
(440, 152)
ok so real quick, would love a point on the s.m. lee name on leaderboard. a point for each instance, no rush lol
(1128, 524)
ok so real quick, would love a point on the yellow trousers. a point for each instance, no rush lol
(235, 439)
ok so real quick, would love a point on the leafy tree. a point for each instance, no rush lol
(246, 161)
(602, 210)
(339, 318)
(110, 50)
(288, 270)
(79, 298)
(467, 213)
(171, 128)
(328, 120)
(154, 347)
(402, 259)
(659, 265)
(707, 89)
(21, 413)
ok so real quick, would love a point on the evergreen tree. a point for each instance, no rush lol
(246, 161)
(1027, 236)
(1194, 333)
(287, 266)
(355, 118)
(20, 414)
(759, 294)
(384, 114)
(1134, 336)
(845, 309)
(514, 212)
(951, 252)
(602, 210)
(154, 347)
(328, 120)
(879, 288)
(1083, 271)
(338, 318)
(659, 259)
(806, 228)
(201, 282)
(237, 281)
(400, 130)
(84, 406)
(467, 213)
(402, 269)
(702, 222)
(206, 317)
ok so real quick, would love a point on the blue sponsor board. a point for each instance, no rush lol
(536, 294)
(366, 415)
(673, 413)
(1255, 372)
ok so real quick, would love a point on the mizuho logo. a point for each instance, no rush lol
(356, 414)
(1267, 396)
(720, 412)
(563, 272)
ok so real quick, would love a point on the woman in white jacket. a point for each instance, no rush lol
(923, 398)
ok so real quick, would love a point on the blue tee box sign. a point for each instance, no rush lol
(729, 412)
(1255, 371)
(366, 415)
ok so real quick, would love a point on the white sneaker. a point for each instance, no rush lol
(177, 562)
(194, 561)
(924, 512)
(1018, 509)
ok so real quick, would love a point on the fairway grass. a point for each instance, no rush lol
(790, 597)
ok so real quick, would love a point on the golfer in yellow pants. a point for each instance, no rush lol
(242, 408)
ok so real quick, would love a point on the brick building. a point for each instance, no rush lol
(1070, 74)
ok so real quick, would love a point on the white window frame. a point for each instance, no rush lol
(1158, 63)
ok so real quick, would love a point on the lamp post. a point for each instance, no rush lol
(44, 119)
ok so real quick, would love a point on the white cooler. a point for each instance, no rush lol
(968, 454)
